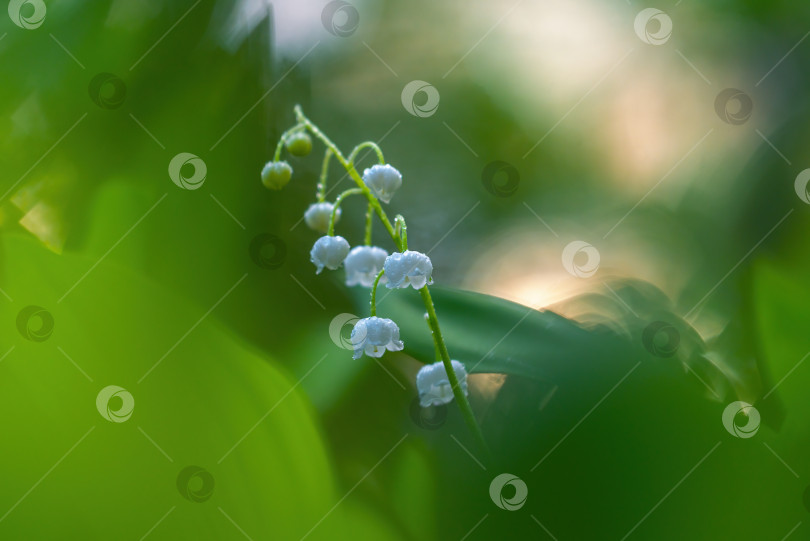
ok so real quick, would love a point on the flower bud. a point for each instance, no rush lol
(373, 335)
(318, 215)
(434, 386)
(363, 264)
(383, 181)
(298, 144)
(408, 268)
(276, 175)
(329, 252)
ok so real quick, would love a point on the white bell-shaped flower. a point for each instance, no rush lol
(434, 386)
(408, 268)
(383, 181)
(373, 335)
(363, 264)
(318, 215)
(329, 252)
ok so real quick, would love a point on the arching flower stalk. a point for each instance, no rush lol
(369, 265)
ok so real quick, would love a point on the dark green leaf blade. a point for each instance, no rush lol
(493, 335)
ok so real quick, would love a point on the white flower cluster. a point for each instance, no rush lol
(367, 265)
(363, 264)
(374, 335)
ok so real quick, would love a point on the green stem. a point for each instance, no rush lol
(279, 146)
(461, 398)
(304, 121)
(338, 201)
(369, 217)
(367, 144)
(321, 194)
(402, 231)
(435, 343)
(374, 293)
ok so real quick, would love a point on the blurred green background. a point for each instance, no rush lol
(556, 122)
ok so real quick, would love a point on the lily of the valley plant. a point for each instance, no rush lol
(369, 266)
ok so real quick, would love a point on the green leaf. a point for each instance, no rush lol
(596, 424)
(780, 294)
(493, 335)
(201, 398)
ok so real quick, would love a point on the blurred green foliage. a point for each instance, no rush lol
(88, 174)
